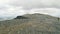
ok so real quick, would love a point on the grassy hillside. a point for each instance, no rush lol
(31, 24)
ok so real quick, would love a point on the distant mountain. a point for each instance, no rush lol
(31, 24)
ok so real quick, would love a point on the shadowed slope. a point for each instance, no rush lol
(21, 17)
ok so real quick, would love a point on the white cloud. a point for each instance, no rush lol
(48, 11)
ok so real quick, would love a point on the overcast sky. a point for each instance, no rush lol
(13, 8)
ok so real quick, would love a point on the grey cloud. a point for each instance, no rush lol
(28, 4)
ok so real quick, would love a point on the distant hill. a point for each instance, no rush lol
(31, 24)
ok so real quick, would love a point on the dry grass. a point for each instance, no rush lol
(36, 24)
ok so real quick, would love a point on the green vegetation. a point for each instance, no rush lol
(35, 24)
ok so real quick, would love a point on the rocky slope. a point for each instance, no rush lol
(31, 24)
